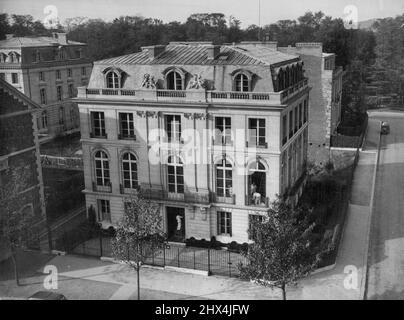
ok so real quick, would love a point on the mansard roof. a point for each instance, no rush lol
(197, 54)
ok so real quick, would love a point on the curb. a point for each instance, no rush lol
(365, 277)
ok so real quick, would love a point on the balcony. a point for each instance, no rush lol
(187, 197)
(257, 201)
(107, 187)
(227, 200)
(254, 98)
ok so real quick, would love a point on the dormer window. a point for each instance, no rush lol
(13, 57)
(112, 80)
(113, 77)
(174, 81)
(242, 81)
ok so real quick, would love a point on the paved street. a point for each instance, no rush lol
(386, 262)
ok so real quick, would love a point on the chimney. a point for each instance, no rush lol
(9, 36)
(60, 37)
(213, 51)
(154, 51)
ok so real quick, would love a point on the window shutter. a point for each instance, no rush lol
(230, 224)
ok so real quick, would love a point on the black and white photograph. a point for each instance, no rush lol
(179, 151)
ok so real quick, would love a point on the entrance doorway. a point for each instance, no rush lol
(176, 224)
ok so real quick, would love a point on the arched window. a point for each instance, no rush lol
(174, 81)
(257, 184)
(129, 171)
(241, 83)
(175, 172)
(113, 80)
(102, 168)
(13, 57)
(224, 179)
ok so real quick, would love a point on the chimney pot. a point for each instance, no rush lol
(60, 37)
(154, 51)
(213, 51)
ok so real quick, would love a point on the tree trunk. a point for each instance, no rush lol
(138, 281)
(283, 291)
(14, 259)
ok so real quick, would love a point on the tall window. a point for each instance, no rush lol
(70, 88)
(256, 129)
(296, 119)
(284, 171)
(83, 71)
(300, 115)
(41, 76)
(224, 223)
(98, 124)
(14, 78)
(305, 111)
(42, 94)
(69, 72)
(174, 81)
(173, 127)
(129, 171)
(175, 172)
(112, 80)
(61, 115)
(224, 179)
(59, 93)
(241, 83)
(102, 169)
(284, 129)
(127, 126)
(104, 210)
(44, 120)
(290, 123)
(223, 130)
(58, 75)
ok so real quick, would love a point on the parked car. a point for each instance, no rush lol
(47, 295)
(385, 129)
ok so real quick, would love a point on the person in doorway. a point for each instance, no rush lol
(178, 217)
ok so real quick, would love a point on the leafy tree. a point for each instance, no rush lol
(15, 224)
(281, 253)
(138, 234)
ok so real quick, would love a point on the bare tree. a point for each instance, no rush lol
(281, 253)
(138, 234)
(15, 224)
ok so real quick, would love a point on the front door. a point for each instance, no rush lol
(176, 224)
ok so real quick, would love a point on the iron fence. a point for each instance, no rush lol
(214, 261)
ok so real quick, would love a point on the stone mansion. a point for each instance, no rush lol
(209, 133)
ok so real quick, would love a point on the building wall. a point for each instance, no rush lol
(19, 148)
(29, 70)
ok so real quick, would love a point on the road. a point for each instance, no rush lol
(386, 251)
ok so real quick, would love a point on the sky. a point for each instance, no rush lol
(247, 11)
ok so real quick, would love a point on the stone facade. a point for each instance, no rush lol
(48, 70)
(276, 163)
(19, 148)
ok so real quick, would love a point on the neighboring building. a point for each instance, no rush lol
(19, 148)
(325, 98)
(48, 70)
(184, 123)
